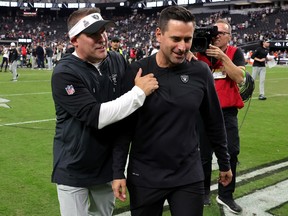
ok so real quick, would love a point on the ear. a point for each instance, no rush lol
(74, 41)
(158, 34)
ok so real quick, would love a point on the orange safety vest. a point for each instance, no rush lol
(227, 89)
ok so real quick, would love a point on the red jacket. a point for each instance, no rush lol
(227, 89)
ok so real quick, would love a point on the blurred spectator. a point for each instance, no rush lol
(5, 58)
(115, 45)
(23, 55)
(49, 55)
(40, 53)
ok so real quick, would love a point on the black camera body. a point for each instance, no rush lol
(202, 38)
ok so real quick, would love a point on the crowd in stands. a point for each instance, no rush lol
(136, 32)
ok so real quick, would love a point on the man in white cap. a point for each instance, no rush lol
(13, 59)
(86, 91)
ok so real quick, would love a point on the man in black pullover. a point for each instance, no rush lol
(164, 159)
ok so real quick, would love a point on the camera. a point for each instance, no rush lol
(202, 38)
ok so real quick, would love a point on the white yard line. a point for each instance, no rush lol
(255, 173)
(261, 201)
(27, 122)
(23, 94)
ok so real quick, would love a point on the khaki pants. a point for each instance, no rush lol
(14, 70)
(97, 200)
(261, 72)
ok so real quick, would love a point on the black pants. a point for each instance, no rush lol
(231, 125)
(4, 61)
(184, 200)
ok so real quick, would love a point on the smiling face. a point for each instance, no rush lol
(223, 37)
(175, 41)
(91, 47)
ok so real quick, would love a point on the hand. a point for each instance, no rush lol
(119, 189)
(147, 83)
(190, 55)
(214, 51)
(225, 177)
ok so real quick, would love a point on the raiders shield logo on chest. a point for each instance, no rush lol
(184, 78)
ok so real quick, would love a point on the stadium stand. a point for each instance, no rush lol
(136, 26)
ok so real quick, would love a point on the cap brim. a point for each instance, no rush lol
(95, 27)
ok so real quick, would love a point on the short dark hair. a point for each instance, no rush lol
(115, 39)
(174, 13)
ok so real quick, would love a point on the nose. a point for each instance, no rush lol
(182, 46)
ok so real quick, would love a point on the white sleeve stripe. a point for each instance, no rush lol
(121, 107)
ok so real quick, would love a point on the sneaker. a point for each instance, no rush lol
(207, 201)
(14, 80)
(230, 204)
(262, 97)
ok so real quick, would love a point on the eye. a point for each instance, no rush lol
(188, 40)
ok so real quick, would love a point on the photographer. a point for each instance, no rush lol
(227, 64)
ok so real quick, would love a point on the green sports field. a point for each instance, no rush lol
(27, 129)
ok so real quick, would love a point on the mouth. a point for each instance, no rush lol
(101, 45)
(179, 53)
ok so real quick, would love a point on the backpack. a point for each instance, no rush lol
(246, 89)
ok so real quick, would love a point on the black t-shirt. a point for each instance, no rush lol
(260, 52)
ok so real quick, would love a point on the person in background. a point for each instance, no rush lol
(164, 159)
(59, 53)
(259, 66)
(69, 48)
(49, 54)
(227, 65)
(13, 60)
(40, 54)
(5, 58)
(33, 56)
(155, 47)
(139, 52)
(86, 92)
(115, 45)
(23, 55)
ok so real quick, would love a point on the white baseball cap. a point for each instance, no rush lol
(90, 24)
(12, 44)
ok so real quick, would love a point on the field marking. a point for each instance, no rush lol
(24, 81)
(23, 94)
(27, 122)
(252, 204)
(255, 173)
(261, 201)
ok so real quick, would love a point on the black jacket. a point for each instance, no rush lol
(13, 55)
(165, 144)
(82, 153)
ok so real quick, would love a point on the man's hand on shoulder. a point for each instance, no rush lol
(147, 83)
